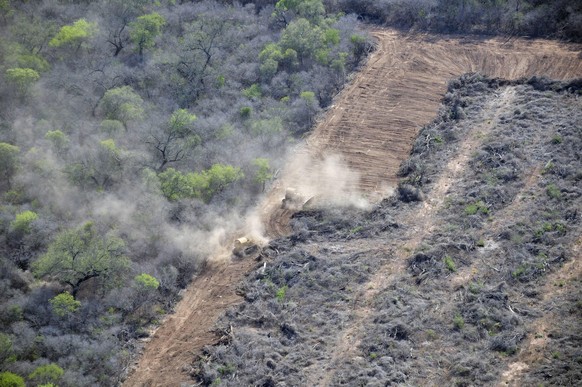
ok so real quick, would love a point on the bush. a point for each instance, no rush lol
(450, 264)
(281, 293)
(22, 222)
(146, 281)
(8, 379)
(253, 92)
(458, 321)
(476, 207)
(46, 374)
(64, 304)
(246, 111)
(5, 347)
(408, 193)
(553, 192)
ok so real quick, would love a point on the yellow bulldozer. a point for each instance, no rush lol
(244, 247)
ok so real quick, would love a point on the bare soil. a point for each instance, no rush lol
(372, 126)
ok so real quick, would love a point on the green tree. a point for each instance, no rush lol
(6, 350)
(309, 103)
(74, 35)
(303, 37)
(177, 137)
(122, 104)
(22, 222)
(253, 92)
(5, 9)
(262, 171)
(111, 127)
(77, 255)
(360, 46)
(32, 32)
(331, 36)
(174, 185)
(308, 9)
(266, 127)
(22, 78)
(31, 61)
(8, 379)
(64, 304)
(110, 148)
(145, 287)
(46, 374)
(100, 167)
(181, 122)
(204, 185)
(145, 29)
(59, 140)
(107, 165)
(273, 56)
(17, 56)
(206, 38)
(219, 176)
(8, 161)
(146, 281)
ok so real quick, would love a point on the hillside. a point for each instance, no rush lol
(140, 138)
(384, 123)
(475, 283)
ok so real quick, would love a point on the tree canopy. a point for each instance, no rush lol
(204, 185)
(145, 29)
(8, 160)
(22, 78)
(64, 304)
(77, 255)
(74, 34)
(122, 104)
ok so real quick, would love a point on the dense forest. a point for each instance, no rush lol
(135, 135)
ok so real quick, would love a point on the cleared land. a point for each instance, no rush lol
(474, 285)
(368, 132)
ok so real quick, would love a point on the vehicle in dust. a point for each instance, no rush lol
(292, 200)
(244, 247)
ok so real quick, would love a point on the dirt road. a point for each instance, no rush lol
(370, 128)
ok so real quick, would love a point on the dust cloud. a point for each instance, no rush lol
(328, 180)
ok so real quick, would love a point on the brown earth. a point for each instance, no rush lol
(368, 132)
